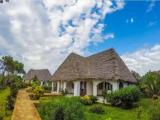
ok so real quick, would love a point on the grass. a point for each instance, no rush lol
(111, 112)
(3, 99)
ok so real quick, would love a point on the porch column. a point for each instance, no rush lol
(58, 87)
(95, 83)
(89, 88)
(115, 85)
(52, 86)
(64, 85)
(77, 88)
(41, 83)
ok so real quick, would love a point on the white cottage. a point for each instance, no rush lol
(92, 75)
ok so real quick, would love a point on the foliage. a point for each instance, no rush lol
(150, 84)
(47, 86)
(88, 100)
(38, 92)
(2, 82)
(97, 109)
(62, 108)
(139, 113)
(154, 111)
(112, 113)
(93, 99)
(12, 66)
(10, 102)
(64, 92)
(59, 113)
(74, 112)
(124, 97)
(35, 81)
(3, 98)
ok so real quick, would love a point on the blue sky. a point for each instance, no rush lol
(134, 27)
(42, 33)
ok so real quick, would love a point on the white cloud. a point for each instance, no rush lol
(143, 60)
(41, 33)
(151, 5)
(131, 20)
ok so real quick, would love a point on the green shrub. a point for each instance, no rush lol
(59, 113)
(62, 109)
(150, 84)
(97, 109)
(38, 91)
(10, 102)
(47, 88)
(124, 97)
(154, 111)
(86, 100)
(74, 112)
(93, 99)
(64, 92)
(1, 117)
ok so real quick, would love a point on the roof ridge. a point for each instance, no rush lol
(105, 51)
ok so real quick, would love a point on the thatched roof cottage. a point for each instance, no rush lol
(42, 75)
(92, 75)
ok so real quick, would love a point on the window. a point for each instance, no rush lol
(120, 85)
(72, 85)
(100, 86)
(105, 86)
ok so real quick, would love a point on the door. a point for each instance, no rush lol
(83, 88)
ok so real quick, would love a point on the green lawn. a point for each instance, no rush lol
(3, 99)
(111, 112)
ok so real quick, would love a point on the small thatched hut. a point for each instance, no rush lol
(43, 75)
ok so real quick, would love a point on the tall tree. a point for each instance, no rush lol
(150, 83)
(12, 66)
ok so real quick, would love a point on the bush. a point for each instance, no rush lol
(74, 112)
(150, 84)
(47, 88)
(62, 109)
(59, 113)
(154, 111)
(88, 100)
(1, 117)
(97, 109)
(10, 102)
(124, 97)
(38, 91)
(64, 92)
(93, 99)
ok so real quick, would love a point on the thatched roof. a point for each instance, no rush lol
(106, 65)
(41, 74)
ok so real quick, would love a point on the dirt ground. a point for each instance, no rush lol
(24, 108)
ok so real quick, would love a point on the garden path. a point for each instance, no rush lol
(24, 108)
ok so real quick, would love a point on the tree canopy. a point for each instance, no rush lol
(10, 66)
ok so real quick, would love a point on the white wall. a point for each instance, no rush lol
(69, 87)
(89, 88)
(77, 88)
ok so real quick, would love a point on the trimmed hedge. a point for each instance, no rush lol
(124, 97)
